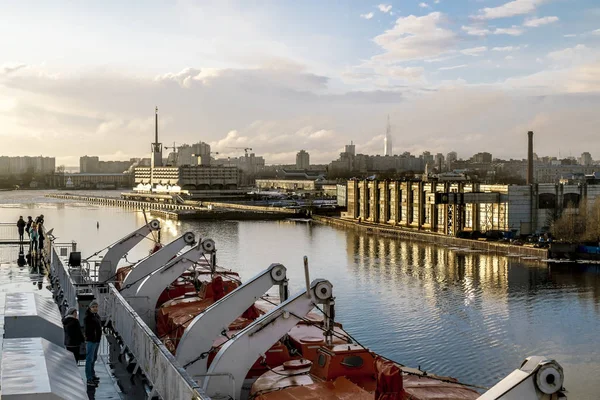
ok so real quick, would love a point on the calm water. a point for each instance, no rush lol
(469, 315)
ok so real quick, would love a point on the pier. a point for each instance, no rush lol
(202, 211)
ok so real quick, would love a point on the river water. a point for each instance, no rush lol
(452, 311)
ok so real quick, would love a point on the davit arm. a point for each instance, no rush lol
(237, 355)
(202, 331)
(108, 266)
(537, 379)
(155, 261)
(150, 289)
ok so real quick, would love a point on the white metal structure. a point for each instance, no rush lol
(154, 261)
(538, 378)
(111, 259)
(145, 298)
(232, 363)
(205, 328)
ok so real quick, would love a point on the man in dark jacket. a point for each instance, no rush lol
(93, 334)
(21, 227)
(73, 335)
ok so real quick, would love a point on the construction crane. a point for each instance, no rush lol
(174, 148)
(242, 148)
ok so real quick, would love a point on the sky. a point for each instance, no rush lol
(83, 78)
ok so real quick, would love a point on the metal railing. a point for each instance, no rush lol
(60, 276)
(9, 232)
(168, 378)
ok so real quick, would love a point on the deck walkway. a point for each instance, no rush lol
(14, 278)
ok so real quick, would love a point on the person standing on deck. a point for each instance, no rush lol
(21, 227)
(93, 334)
(33, 237)
(41, 237)
(28, 226)
(73, 335)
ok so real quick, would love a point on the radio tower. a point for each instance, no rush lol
(387, 142)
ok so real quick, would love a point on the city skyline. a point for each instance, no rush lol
(465, 75)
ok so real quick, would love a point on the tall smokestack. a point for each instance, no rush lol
(530, 157)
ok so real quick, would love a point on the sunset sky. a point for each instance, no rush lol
(83, 77)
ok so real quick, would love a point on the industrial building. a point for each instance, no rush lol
(451, 207)
(96, 180)
(184, 175)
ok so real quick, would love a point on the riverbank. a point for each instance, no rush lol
(535, 254)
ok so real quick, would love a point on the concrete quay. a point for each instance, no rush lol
(202, 211)
(530, 253)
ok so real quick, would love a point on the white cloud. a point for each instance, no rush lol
(568, 54)
(512, 31)
(474, 51)
(509, 58)
(570, 35)
(535, 22)
(507, 48)
(510, 9)
(385, 8)
(367, 15)
(596, 32)
(415, 38)
(453, 67)
(424, 5)
(475, 30)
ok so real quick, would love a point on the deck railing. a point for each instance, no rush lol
(168, 378)
(9, 232)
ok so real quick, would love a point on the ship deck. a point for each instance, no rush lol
(114, 379)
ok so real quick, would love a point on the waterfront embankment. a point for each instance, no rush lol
(189, 210)
(536, 254)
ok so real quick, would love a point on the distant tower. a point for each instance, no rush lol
(156, 159)
(387, 142)
(302, 160)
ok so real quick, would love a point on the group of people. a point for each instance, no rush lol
(35, 231)
(74, 338)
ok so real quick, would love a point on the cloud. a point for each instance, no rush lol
(568, 54)
(424, 5)
(535, 22)
(596, 32)
(475, 30)
(509, 58)
(510, 9)
(474, 51)
(570, 35)
(507, 48)
(367, 15)
(452, 67)
(414, 38)
(385, 8)
(481, 31)
(6, 69)
(512, 31)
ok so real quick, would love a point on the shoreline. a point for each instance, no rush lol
(528, 253)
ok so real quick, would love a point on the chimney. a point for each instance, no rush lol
(530, 157)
